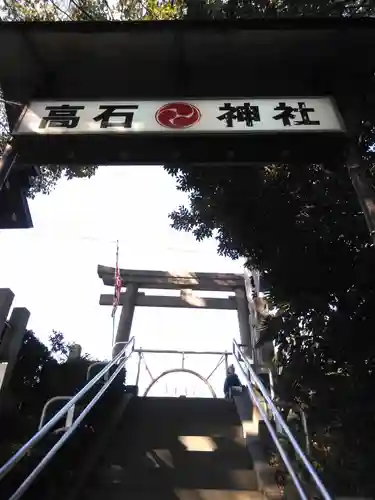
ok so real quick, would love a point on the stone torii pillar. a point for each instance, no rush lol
(126, 318)
(11, 343)
(6, 300)
(243, 321)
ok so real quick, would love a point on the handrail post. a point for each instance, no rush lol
(46, 406)
(138, 367)
(70, 416)
(305, 430)
(270, 376)
(226, 362)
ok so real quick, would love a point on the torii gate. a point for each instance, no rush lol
(187, 283)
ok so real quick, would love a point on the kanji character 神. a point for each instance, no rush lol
(246, 113)
(61, 116)
(110, 112)
(288, 113)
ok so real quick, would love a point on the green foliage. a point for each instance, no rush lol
(163, 11)
(58, 347)
(91, 10)
(302, 226)
(246, 9)
(55, 10)
(41, 373)
(37, 10)
(51, 174)
(37, 377)
(32, 361)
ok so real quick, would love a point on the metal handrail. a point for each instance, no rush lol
(273, 434)
(13, 461)
(180, 351)
(38, 469)
(140, 351)
(279, 419)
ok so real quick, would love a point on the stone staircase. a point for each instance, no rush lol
(174, 449)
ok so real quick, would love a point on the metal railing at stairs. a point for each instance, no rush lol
(254, 384)
(119, 360)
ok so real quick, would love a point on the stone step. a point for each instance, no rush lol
(186, 408)
(161, 478)
(172, 448)
(201, 417)
(178, 494)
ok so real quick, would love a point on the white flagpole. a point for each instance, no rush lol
(115, 296)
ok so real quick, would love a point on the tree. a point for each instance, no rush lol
(26, 378)
(37, 377)
(311, 243)
(41, 372)
(59, 348)
(239, 9)
(302, 227)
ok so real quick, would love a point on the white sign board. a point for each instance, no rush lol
(224, 116)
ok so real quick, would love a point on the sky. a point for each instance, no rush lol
(52, 269)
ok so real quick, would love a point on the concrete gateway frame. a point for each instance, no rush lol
(223, 93)
(94, 64)
(233, 93)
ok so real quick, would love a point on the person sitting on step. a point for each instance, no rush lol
(232, 383)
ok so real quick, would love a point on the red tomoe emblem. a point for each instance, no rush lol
(178, 115)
